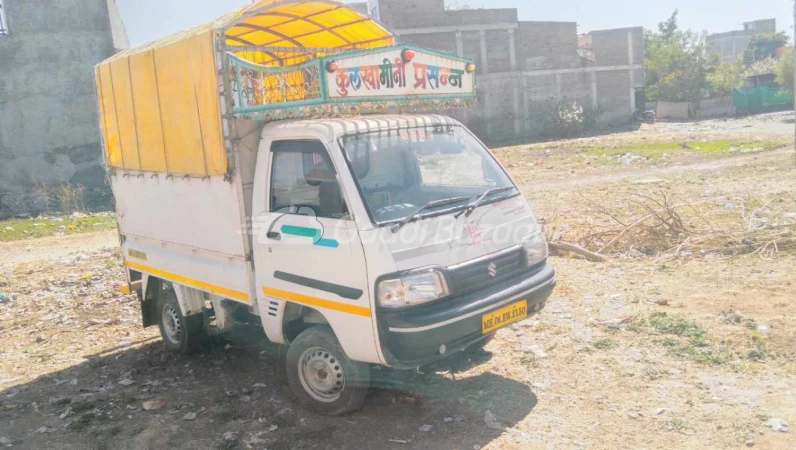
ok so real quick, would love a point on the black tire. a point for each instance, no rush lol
(190, 335)
(319, 345)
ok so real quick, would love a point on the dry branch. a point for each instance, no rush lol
(565, 247)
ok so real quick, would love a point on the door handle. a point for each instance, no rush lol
(273, 235)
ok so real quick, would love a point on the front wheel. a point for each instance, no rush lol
(322, 376)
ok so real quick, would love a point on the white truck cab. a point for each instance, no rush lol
(403, 231)
(317, 198)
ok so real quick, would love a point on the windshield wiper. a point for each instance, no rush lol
(473, 205)
(427, 206)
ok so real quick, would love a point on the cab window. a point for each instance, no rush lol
(303, 180)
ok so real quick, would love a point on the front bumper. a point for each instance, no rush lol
(413, 337)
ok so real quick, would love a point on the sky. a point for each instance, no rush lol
(151, 19)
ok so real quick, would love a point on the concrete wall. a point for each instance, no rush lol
(48, 110)
(543, 45)
(730, 45)
(526, 70)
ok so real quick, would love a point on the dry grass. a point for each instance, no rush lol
(657, 225)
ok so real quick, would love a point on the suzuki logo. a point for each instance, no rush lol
(491, 269)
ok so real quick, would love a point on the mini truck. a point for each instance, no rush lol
(279, 165)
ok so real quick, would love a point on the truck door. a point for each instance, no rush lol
(308, 253)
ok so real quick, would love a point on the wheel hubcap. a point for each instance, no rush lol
(172, 326)
(321, 374)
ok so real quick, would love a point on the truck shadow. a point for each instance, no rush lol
(237, 397)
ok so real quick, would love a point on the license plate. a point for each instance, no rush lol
(504, 316)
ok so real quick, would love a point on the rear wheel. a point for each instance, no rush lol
(321, 375)
(181, 334)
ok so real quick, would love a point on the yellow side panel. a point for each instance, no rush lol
(147, 112)
(125, 113)
(110, 124)
(202, 68)
(189, 106)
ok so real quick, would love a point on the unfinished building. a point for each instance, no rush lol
(527, 70)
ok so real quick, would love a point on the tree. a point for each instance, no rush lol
(676, 63)
(784, 71)
(763, 46)
(726, 76)
(669, 27)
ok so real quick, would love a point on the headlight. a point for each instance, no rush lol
(412, 289)
(535, 248)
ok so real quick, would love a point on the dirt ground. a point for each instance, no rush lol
(681, 339)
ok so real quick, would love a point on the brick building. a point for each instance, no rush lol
(731, 45)
(526, 69)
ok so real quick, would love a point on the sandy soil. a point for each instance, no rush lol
(598, 368)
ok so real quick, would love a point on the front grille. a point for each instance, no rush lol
(475, 275)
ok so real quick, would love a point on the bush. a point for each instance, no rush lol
(572, 119)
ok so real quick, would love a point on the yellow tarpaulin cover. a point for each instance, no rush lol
(160, 105)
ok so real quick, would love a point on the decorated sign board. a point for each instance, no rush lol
(398, 72)
(401, 78)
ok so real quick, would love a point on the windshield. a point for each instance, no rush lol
(401, 171)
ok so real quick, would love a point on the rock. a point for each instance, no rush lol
(255, 438)
(273, 428)
(43, 430)
(398, 441)
(448, 420)
(763, 329)
(662, 302)
(126, 382)
(777, 425)
(245, 398)
(660, 411)
(750, 442)
(536, 349)
(4, 298)
(153, 405)
(5, 441)
(189, 416)
(229, 437)
(542, 386)
(649, 180)
(66, 413)
(491, 422)
(426, 428)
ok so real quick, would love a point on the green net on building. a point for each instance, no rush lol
(759, 98)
